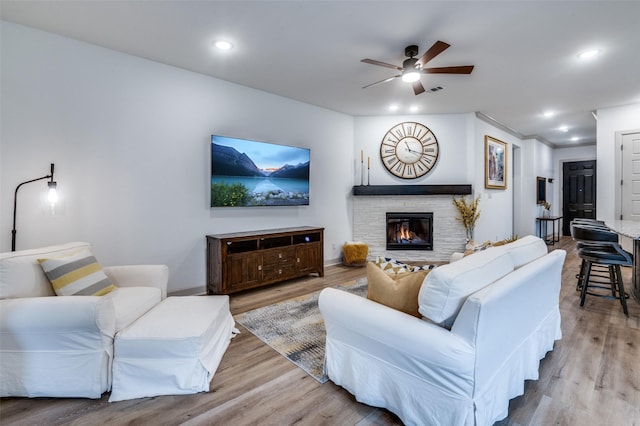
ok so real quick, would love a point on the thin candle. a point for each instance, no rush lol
(368, 163)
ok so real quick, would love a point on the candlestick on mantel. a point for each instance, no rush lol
(361, 167)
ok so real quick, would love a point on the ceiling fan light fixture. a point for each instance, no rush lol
(411, 76)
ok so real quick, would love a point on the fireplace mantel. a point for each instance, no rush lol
(412, 190)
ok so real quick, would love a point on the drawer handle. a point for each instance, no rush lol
(279, 255)
(259, 267)
(279, 271)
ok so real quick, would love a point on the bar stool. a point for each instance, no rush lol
(600, 247)
(597, 271)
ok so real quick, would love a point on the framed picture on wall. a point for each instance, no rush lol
(495, 163)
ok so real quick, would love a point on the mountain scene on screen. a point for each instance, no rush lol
(237, 181)
(227, 161)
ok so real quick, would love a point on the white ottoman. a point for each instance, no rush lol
(175, 348)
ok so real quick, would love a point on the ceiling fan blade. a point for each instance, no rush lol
(382, 64)
(437, 48)
(463, 69)
(382, 81)
(417, 87)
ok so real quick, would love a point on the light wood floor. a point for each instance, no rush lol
(591, 377)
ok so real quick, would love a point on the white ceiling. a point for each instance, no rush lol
(524, 52)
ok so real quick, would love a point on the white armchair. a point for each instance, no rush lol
(62, 346)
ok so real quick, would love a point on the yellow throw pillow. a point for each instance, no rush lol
(79, 274)
(395, 291)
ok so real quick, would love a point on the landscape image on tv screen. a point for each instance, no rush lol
(250, 173)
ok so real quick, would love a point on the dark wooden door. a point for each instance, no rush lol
(578, 192)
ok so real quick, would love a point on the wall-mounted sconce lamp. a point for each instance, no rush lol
(52, 197)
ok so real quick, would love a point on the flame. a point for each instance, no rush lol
(404, 234)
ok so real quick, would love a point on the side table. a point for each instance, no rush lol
(542, 229)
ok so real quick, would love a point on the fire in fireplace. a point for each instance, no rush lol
(409, 231)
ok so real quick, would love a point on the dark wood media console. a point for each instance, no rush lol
(243, 260)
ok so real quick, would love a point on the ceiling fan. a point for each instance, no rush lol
(413, 67)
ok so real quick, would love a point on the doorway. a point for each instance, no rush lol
(578, 192)
(629, 175)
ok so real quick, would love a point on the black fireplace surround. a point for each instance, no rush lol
(410, 231)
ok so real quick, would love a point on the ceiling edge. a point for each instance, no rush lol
(496, 123)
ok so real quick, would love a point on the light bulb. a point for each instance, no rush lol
(411, 76)
(52, 196)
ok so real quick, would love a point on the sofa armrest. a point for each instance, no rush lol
(520, 309)
(56, 323)
(418, 347)
(56, 346)
(139, 276)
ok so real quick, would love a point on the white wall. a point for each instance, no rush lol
(496, 205)
(450, 131)
(610, 121)
(131, 142)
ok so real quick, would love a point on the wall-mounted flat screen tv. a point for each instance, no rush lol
(251, 173)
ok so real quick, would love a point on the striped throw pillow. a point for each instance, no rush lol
(78, 274)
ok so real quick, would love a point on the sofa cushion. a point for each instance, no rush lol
(77, 274)
(130, 303)
(21, 274)
(525, 250)
(395, 291)
(447, 287)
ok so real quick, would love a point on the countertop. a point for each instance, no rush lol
(628, 228)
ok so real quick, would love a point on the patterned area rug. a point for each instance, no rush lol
(295, 329)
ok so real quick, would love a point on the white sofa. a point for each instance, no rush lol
(487, 321)
(62, 346)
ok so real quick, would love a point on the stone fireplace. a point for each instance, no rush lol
(409, 231)
(370, 218)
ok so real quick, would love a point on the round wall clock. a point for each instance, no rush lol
(409, 150)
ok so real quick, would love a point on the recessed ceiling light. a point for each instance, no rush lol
(588, 54)
(563, 128)
(393, 107)
(575, 139)
(547, 114)
(223, 45)
(414, 108)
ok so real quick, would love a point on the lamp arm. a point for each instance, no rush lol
(15, 204)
